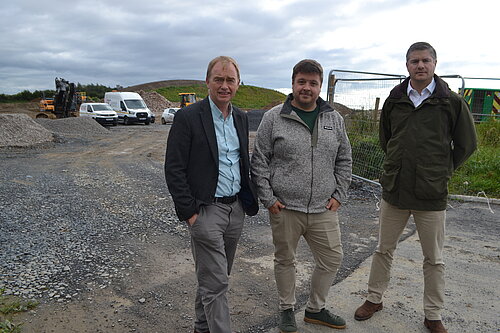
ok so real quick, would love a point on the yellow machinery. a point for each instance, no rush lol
(187, 98)
(65, 102)
(46, 105)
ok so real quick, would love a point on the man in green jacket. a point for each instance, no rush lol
(426, 132)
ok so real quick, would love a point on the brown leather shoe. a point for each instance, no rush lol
(435, 326)
(367, 310)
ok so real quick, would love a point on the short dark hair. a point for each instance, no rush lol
(224, 60)
(421, 46)
(307, 66)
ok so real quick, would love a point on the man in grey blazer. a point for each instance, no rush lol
(207, 173)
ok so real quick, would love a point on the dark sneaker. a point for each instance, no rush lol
(324, 317)
(287, 323)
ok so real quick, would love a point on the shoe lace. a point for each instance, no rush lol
(331, 315)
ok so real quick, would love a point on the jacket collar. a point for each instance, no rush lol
(209, 128)
(442, 90)
(287, 106)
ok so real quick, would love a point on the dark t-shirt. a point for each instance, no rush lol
(309, 117)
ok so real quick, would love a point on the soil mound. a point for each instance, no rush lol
(74, 126)
(156, 102)
(19, 130)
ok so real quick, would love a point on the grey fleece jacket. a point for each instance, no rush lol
(301, 170)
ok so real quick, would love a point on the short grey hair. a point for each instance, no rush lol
(224, 60)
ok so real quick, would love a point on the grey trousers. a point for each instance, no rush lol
(214, 237)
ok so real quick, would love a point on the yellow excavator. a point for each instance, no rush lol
(65, 102)
(187, 98)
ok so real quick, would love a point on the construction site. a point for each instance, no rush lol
(89, 232)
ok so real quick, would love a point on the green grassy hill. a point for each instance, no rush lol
(247, 97)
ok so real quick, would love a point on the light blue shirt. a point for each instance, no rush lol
(417, 98)
(228, 146)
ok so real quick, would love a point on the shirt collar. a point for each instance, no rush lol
(430, 88)
(216, 112)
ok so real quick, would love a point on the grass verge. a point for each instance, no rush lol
(10, 305)
(481, 172)
(247, 97)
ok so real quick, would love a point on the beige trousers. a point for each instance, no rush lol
(322, 233)
(431, 228)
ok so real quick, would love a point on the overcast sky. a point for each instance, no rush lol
(132, 42)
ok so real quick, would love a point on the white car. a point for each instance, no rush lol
(168, 115)
(101, 112)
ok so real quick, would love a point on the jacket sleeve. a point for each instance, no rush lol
(343, 166)
(463, 135)
(261, 159)
(384, 127)
(247, 193)
(176, 166)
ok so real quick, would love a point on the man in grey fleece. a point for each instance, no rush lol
(301, 166)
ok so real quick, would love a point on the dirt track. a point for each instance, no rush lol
(132, 270)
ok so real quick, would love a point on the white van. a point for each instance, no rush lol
(130, 107)
(101, 112)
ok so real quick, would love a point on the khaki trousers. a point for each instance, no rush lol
(322, 233)
(431, 228)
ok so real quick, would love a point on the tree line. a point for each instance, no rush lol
(93, 92)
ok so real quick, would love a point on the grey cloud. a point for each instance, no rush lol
(132, 42)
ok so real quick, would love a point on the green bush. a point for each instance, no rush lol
(94, 92)
(480, 173)
(366, 152)
(367, 159)
(488, 133)
(25, 96)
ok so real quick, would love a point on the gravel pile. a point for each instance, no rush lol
(156, 102)
(79, 126)
(19, 130)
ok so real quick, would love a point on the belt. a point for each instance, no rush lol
(226, 200)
